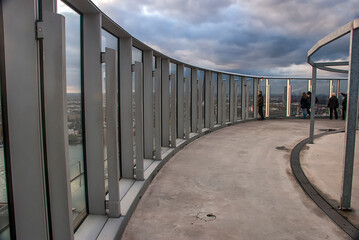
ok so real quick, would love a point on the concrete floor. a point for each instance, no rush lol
(323, 164)
(234, 184)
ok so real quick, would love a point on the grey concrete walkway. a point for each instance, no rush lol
(238, 175)
(323, 164)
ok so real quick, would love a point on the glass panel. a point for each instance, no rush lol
(200, 75)
(298, 88)
(188, 74)
(74, 111)
(343, 88)
(109, 41)
(250, 87)
(136, 57)
(323, 98)
(173, 70)
(215, 97)
(4, 213)
(278, 89)
(227, 101)
(262, 87)
(238, 98)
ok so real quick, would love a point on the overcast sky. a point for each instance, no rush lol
(262, 37)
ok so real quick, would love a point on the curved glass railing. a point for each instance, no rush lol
(129, 108)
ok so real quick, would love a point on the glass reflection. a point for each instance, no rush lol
(227, 96)
(74, 111)
(200, 75)
(250, 89)
(323, 90)
(188, 74)
(278, 97)
(107, 41)
(297, 87)
(238, 98)
(215, 97)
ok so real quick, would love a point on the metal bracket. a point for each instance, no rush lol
(39, 30)
(103, 57)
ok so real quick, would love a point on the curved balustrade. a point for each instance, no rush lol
(105, 112)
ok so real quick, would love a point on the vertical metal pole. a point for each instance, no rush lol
(200, 102)
(139, 121)
(207, 80)
(224, 99)
(312, 104)
(173, 111)
(194, 99)
(93, 113)
(267, 97)
(165, 102)
(112, 134)
(255, 97)
(289, 96)
(126, 107)
(187, 106)
(243, 95)
(180, 102)
(219, 97)
(158, 116)
(148, 104)
(351, 120)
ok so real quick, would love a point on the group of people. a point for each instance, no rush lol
(333, 105)
(305, 104)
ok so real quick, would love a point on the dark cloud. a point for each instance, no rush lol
(257, 36)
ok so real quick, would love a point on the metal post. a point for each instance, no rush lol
(219, 97)
(255, 97)
(194, 99)
(158, 145)
(351, 119)
(112, 134)
(207, 80)
(243, 95)
(200, 102)
(173, 111)
(312, 104)
(289, 96)
(187, 106)
(148, 104)
(139, 121)
(180, 102)
(126, 107)
(267, 97)
(165, 102)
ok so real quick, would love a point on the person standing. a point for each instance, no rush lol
(344, 105)
(309, 102)
(333, 104)
(260, 103)
(304, 104)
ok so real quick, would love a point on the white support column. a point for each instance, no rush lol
(126, 107)
(165, 101)
(139, 121)
(289, 98)
(93, 113)
(194, 99)
(55, 113)
(219, 97)
(231, 98)
(331, 88)
(351, 119)
(312, 104)
(243, 95)
(224, 117)
(255, 97)
(187, 106)
(309, 85)
(180, 102)
(200, 106)
(148, 104)
(235, 105)
(267, 97)
(24, 118)
(211, 113)
(112, 134)
(207, 89)
(173, 111)
(158, 116)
